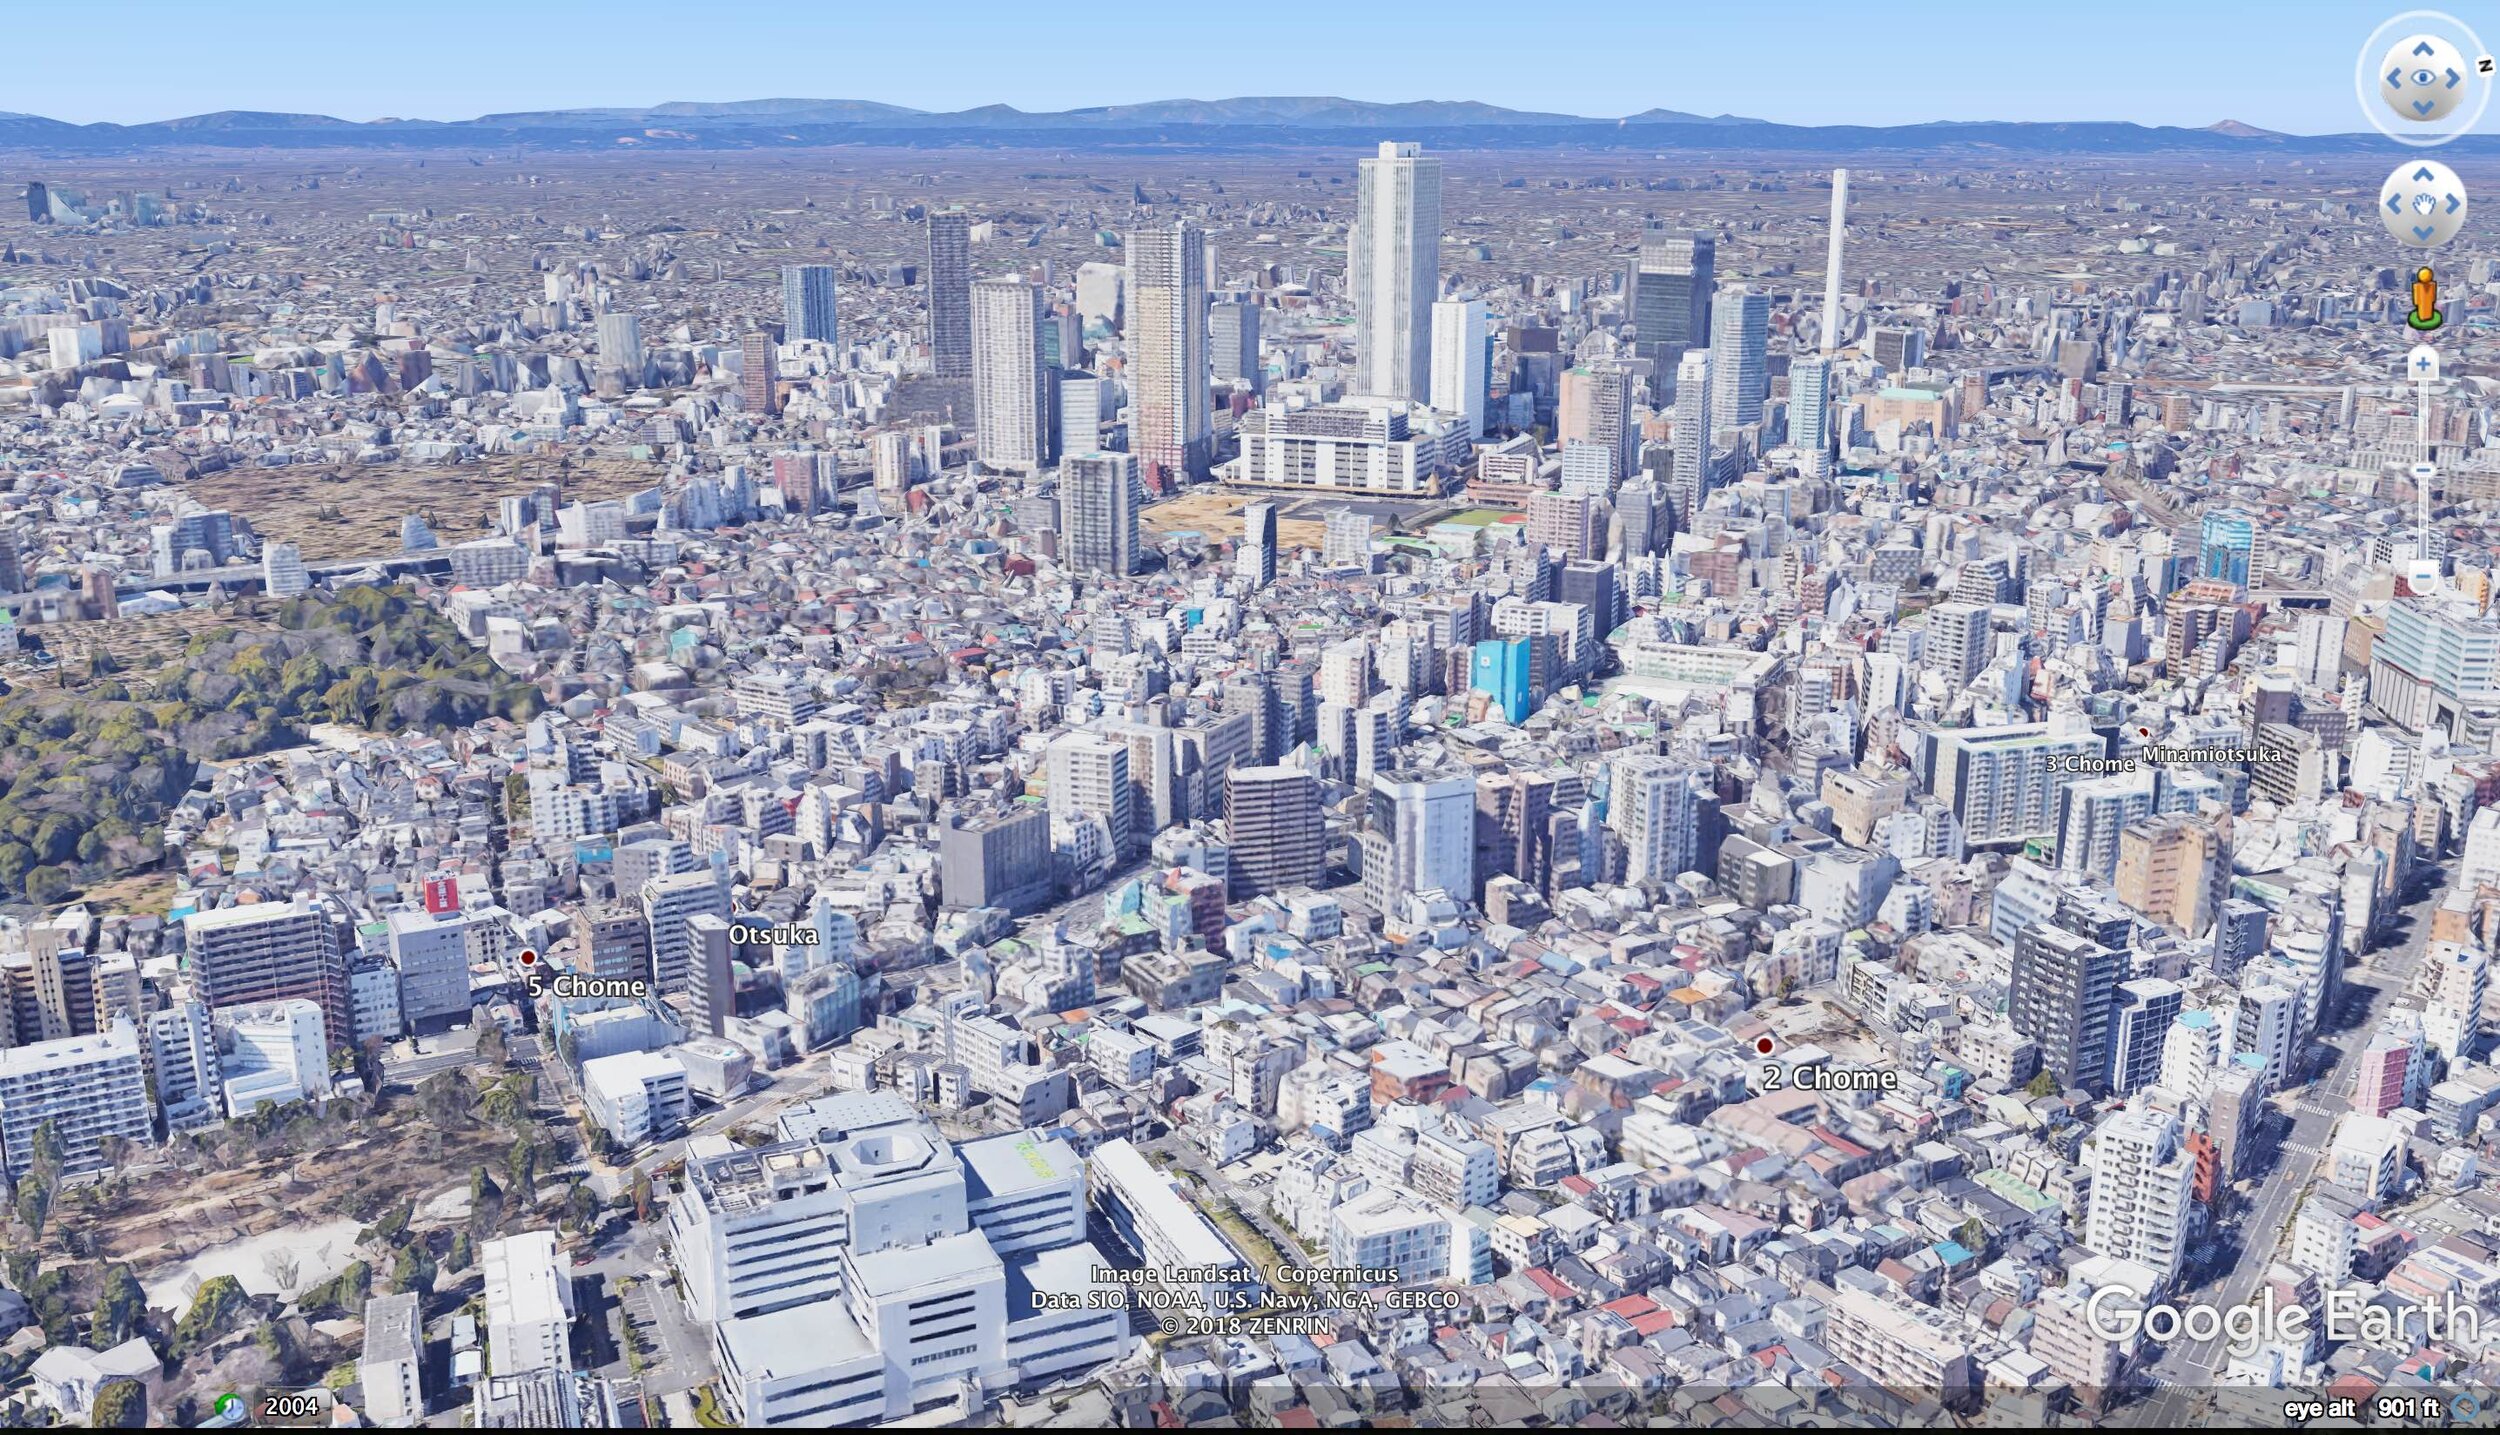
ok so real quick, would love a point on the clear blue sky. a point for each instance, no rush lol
(2285, 66)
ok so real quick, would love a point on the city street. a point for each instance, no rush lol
(2370, 991)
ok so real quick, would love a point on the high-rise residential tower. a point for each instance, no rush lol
(1169, 428)
(1740, 325)
(950, 294)
(1010, 384)
(1429, 821)
(2143, 1181)
(1257, 555)
(620, 342)
(1596, 408)
(270, 951)
(758, 380)
(1271, 815)
(1089, 775)
(1098, 512)
(2065, 997)
(807, 304)
(1689, 483)
(1809, 412)
(1460, 361)
(1657, 805)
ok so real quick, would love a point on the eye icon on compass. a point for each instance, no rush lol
(2423, 79)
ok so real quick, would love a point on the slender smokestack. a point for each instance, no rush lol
(1831, 262)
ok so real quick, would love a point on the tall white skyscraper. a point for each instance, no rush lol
(1010, 386)
(1098, 512)
(620, 342)
(2142, 1183)
(1089, 774)
(1740, 330)
(1655, 804)
(1170, 430)
(2319, 651)
(1693, 430)
(1393, 258)
(1257, 556)
(1810, 412)
(1458, 361)
(1430, 820)
(807, 304)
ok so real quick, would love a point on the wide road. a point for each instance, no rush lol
(2262, 1229)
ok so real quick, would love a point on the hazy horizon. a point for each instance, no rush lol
(1808, 64)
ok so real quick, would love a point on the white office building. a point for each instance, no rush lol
(392, 1369)
(637, 1096)
(276, 1052)
(1430, 822)
(1459, 358)
(1362, 445)
(1393, 256)
(861, 1267)
(529, 1304)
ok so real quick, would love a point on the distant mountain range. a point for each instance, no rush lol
(1253, 122)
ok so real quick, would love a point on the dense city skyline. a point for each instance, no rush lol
(1289, 763)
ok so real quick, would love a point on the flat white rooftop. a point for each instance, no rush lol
(802, 1338)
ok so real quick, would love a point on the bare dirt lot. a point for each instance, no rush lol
(340, 511)
(1216, 513)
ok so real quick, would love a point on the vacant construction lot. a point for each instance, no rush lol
(336, 511)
